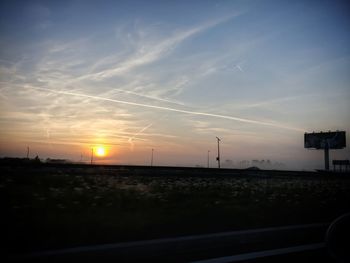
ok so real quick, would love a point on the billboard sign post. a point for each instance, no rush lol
(325, 141)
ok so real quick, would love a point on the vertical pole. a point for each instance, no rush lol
(326, 158)
(219, 152)
(152, 157)
(208, 158)
(218, 158)
(92, 154)
(27, 152)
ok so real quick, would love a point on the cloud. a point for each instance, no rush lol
(197, 113)
(239, 67)
(68, 65)
(146, 96)
(269, 103)
(152, 53)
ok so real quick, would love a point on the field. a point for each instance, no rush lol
(65, 205)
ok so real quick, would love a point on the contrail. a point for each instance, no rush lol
(171, 109)
(148, 97)
(138, 133)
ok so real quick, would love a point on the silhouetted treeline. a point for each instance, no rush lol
(261, 164)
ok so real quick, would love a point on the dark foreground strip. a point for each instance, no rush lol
(189, 248)
(265, 253)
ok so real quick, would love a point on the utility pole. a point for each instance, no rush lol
(152, 157)
(92, 154)
(208, 157)
(27, 152)
(326, 156)
(218, 158)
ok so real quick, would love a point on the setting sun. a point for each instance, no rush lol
(100, 151)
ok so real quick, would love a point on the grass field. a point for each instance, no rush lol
(55, 207)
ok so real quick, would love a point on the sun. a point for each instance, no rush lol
(100, 151)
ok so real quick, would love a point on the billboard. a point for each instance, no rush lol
(320, 140)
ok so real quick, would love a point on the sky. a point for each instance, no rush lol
(133, 76)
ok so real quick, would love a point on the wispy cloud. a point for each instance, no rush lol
(197, 113)
(145, 96)
(268, 103)
(154, 52)
(239, 67)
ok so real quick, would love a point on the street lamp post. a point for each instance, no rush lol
(218, 158)
(152, 157)
(208, 158)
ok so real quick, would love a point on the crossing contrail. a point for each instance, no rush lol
(197, 113)
(138, 133)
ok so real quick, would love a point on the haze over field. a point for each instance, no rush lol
(133, 76)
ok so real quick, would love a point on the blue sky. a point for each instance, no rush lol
(172, 75)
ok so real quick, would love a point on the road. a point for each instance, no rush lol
(254, 245)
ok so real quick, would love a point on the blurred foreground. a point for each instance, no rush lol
(58, 206)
